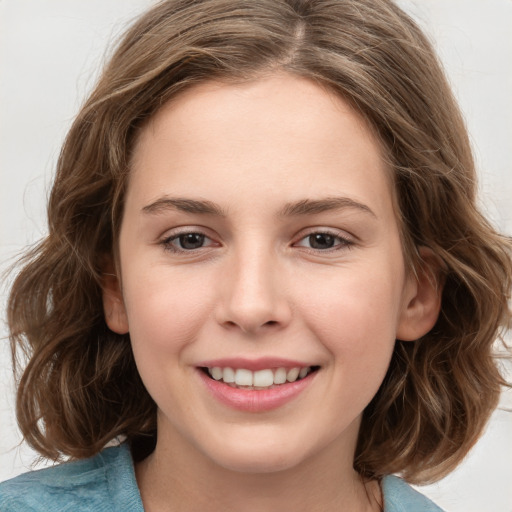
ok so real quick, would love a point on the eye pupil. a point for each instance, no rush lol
(191, 240)
(321, 241)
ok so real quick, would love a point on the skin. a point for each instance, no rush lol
(258, 288)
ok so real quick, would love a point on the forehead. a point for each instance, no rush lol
(279, 133)
(307, 105)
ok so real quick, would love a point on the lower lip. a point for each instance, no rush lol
(256, 400)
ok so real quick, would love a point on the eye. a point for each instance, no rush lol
(323, 241)
(184, 242)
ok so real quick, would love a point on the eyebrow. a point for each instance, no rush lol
(315, 206)
(196, 206)
(297, 208)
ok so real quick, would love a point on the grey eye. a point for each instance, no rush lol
(321, 240)
(190, 241)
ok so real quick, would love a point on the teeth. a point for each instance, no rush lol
(259, 379)
(280, 376)
(263, 378)
(292, 375)
(243, 377)
(217, 373)
(228, 375)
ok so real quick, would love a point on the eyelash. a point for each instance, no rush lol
(343, 241)
(167, 242)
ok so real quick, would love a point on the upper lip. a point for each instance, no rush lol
(261, 363)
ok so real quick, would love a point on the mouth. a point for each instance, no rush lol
(264, 379)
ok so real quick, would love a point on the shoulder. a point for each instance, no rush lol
(401, 497)
(104, 483)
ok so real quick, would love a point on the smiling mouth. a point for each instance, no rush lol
(270, 378)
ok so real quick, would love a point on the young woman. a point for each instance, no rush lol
(265, 271)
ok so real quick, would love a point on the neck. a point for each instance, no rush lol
(178, 479)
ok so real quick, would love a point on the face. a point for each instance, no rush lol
(261, 275)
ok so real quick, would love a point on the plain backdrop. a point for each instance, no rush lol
(50, 53)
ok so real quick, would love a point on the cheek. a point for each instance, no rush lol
(356, 317)
(166, 310)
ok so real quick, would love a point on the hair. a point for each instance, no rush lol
(80, 387)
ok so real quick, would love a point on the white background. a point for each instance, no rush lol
(50, 52)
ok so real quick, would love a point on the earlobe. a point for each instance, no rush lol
(422, 298)
(113, 303)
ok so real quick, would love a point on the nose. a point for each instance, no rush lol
(253, 294)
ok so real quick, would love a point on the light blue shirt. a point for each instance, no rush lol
(106, 483)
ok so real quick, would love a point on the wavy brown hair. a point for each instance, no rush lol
(81, 388)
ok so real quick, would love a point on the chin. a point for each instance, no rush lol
(258, 457)
(259, 464)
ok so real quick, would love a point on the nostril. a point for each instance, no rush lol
(248, 328)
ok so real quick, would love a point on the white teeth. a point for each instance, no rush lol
(259, 379)
(243, 377)
(292, 374)
(280, 376)
(263, 378)
(217, 373)
(228, 375)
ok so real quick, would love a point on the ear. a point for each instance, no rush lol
(422, 298)
(113, 303)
